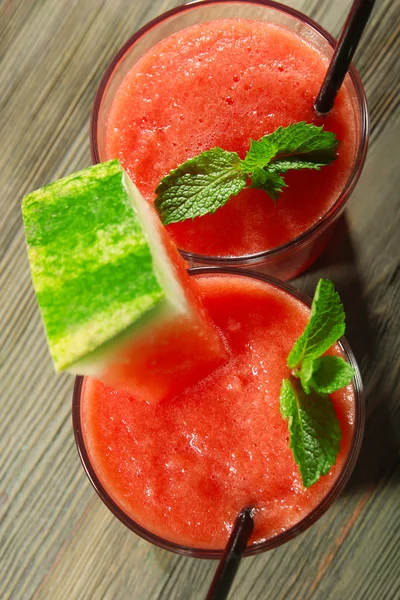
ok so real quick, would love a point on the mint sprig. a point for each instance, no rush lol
(204, 183)
(313, 425)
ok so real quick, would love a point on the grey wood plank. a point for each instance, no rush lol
(57, 540)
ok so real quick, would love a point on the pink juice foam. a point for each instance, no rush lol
(221, 84)
(184, 468)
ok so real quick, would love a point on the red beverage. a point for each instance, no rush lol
(174, 91)
(222, 84)
(184, 468)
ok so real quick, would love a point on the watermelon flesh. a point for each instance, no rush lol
(114, 294)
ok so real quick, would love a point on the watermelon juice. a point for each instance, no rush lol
(222, 83)
(179, 472)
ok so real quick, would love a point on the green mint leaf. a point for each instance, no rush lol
(260, 154)
(313, 428)
(303, 145)
(325, 327)
(272, 183)
(199, 186)
(305, 142)
(305, 373)
(326, 374)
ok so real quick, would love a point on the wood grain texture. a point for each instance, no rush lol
(57, 540)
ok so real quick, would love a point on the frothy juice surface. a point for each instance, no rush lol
(184, 468)
(223, 83)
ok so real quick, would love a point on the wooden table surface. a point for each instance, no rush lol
(57, 540)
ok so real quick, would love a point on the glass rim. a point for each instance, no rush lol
(291, 532)
(330, 216)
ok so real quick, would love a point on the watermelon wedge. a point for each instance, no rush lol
(114, 294)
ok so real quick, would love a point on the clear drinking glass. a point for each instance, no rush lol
(290, 533)
(291, 258)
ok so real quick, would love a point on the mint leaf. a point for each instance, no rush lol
(305, 373)
(260, 154)
(303, 145)
(272, 183)
(326, 374)
(325, 327)
(306, 142)
(314, 430)
(199, 186)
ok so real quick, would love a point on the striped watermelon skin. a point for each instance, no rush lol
(114, 294)
(91, 265)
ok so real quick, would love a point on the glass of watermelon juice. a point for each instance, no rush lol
(177, 473)
(217, 73)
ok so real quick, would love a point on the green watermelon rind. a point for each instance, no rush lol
(96, 279)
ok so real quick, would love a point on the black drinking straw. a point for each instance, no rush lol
(344, 51)
(229, 563)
